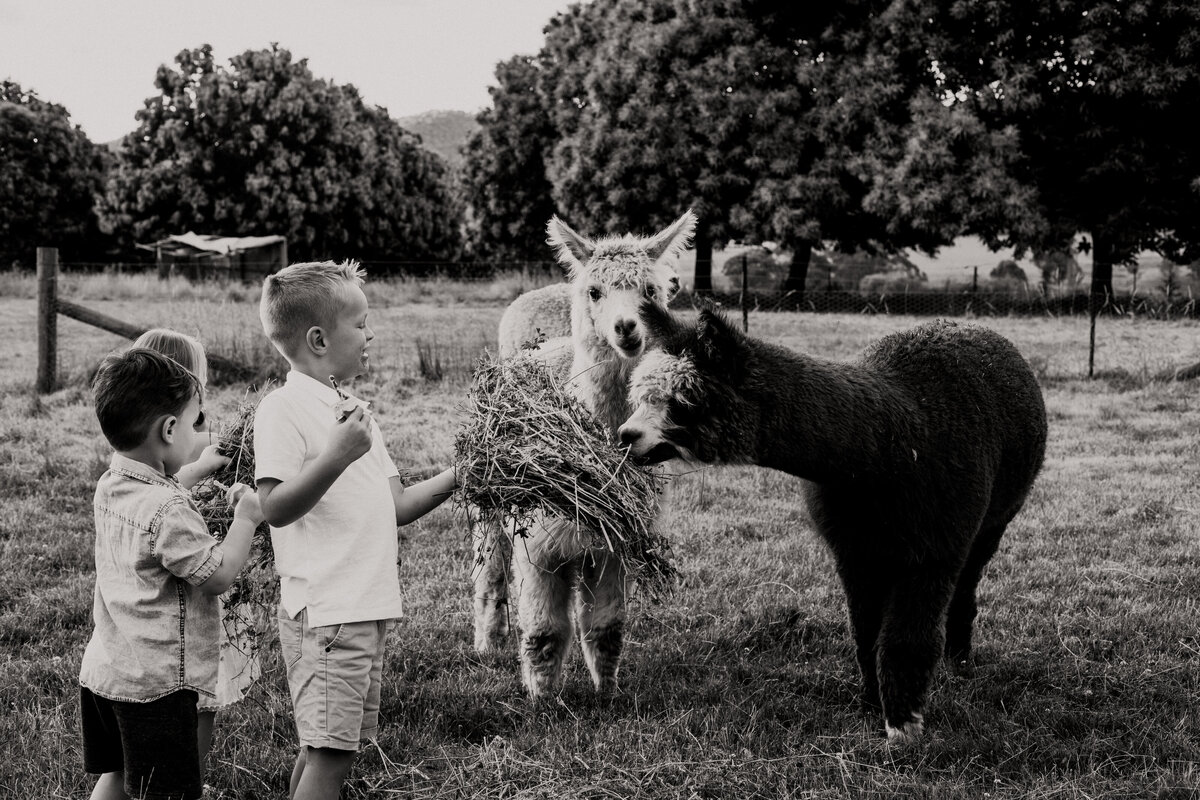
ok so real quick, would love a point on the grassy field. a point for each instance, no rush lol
(743, 684)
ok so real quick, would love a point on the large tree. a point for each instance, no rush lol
(504, 169)
(50, 175)
(1093, 90)
(807, 125)
(852, 148)
(653, 114)
(262, 147)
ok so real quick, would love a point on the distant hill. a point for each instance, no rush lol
(443, 132)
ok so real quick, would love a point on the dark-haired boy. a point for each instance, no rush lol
(153, 650)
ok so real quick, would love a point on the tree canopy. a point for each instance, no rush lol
(875, 125)
(262, 147)
(50, 174)
(1090, 94)
(504, 170)
(652, 115)
(772, 121)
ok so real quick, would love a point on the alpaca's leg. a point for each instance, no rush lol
(961, 617)
(493, 552)
(867, 586)
(910, 645)
(601, 613)
(543, 582)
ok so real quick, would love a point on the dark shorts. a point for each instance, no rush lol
(153, 743)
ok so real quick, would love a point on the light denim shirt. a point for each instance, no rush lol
(155, 632)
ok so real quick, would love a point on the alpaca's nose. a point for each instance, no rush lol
(624, 327)
(628, 436)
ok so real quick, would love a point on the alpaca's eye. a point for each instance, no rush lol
(650, 293)
(594, 293)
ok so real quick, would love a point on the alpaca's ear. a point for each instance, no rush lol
(718, 341)
(572, 250)
(674, 239)
(664, 329)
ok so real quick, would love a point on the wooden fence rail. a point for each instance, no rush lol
(50, 306)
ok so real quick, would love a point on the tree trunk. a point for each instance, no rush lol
(797, 277)
(702, 281)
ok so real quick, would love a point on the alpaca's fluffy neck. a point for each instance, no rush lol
(600, 380)
(823, 420)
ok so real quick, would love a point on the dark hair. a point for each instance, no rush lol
(134, 389)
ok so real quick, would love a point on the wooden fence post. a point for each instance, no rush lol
(47, 280)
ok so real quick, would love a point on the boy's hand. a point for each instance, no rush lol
(210, 460)
(351, 438)
(244, 501)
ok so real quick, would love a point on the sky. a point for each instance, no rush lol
(98, 58)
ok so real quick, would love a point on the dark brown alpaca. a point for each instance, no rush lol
(918, 454)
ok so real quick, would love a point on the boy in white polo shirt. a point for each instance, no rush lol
(333, 499)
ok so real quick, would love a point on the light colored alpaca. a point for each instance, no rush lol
(916, 456)
(545, 313)
(553, 575)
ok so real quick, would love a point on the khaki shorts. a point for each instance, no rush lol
(334, 674)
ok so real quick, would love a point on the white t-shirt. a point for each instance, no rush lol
(340, 559)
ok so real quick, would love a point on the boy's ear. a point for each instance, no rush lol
(314, 340)
(166, 428)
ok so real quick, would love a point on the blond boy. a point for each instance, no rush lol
(333, 499)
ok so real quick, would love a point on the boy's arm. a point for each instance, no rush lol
(284, 502)
(414, 502)
(236, 548)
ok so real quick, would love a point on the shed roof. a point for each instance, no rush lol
(205, 243)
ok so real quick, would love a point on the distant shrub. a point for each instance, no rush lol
(1008, 270)
(893, 283)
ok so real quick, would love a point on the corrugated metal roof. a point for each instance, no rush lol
(222, 245)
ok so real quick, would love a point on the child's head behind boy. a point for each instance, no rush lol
(316, 316)
(186, 350)
(148, 407)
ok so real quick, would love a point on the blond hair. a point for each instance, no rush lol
(303, 295)
(179, 347)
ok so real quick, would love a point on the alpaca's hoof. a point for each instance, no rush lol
(962, 666)
(542, 686)
(908, 733)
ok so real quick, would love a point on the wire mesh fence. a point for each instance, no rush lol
(959, 303)
(824, 293)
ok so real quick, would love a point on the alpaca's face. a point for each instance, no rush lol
(610, 289)
(687, 394)
(613, 276)
(666, 392)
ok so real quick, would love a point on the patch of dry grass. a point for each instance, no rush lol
(743, 684)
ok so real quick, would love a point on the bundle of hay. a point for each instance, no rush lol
(529, 447)
(255, 592)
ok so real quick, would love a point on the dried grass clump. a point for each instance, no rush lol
(529, 447)
(255, 591)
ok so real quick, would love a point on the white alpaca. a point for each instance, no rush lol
(610, 278)
(543, 314)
